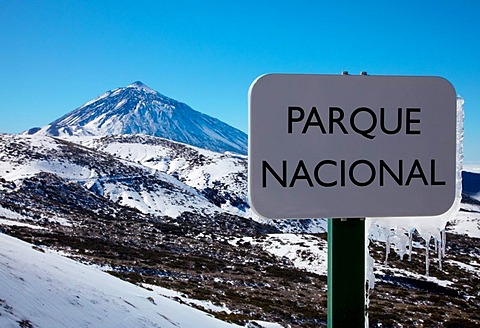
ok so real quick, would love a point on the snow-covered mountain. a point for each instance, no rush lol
(138, 109)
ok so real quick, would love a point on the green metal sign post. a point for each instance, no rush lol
(346, 273)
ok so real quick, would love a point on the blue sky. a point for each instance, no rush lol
(56, 55)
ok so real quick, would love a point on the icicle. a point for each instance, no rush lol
(440, 255)
(400, 241)
(370, 276)
(436, 244)
(410, 238)
(387, 248)
(427, 258)
(444, 241)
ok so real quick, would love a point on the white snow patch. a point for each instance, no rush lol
(120, 103)
(8, 214)
(466, 223)
(473, 267)
(177, 164)
(307, 252)
(65, 170)
(265, 324)
(379, 269)
(18, 224)
(206, 305)
(472, 167)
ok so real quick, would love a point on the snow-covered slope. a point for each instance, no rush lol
(137, 109)
(222, 178)
(26, 160)
(43, 289)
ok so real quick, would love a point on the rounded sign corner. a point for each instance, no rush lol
(447, 208)
(255, 208)
(259, 78)
(449, 85)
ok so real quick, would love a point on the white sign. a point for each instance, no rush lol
(351, 146)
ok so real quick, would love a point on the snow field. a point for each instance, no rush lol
(48, 290)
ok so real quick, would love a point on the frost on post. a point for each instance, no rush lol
(399, 231)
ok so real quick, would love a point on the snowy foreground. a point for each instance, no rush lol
(43, 289)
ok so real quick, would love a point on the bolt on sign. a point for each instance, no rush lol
(351, 146)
